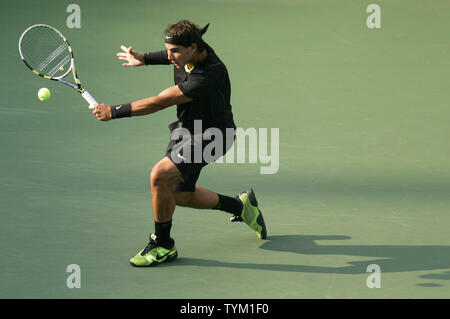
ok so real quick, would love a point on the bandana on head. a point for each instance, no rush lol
(171, 39)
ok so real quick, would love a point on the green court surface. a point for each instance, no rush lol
(364, 175)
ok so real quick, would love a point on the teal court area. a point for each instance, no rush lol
(363, 174)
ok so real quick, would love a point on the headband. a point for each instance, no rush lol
(177, 40)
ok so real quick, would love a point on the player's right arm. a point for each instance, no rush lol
(132, 57)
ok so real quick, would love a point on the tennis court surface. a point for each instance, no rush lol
(363, 178)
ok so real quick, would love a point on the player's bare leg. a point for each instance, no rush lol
(244, 207)
(202, 198)
(163, 175)
(161, 247)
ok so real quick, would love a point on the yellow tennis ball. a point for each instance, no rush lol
(44, 94)
(61, 68)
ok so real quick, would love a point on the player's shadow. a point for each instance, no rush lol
(390, 258)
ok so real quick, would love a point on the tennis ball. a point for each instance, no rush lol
(61, 68)
(44, 94)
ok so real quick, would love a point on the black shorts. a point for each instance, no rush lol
(191, 153)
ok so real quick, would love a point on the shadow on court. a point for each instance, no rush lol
(389, 258)
(442, 276)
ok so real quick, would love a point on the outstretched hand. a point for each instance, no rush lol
(132, 57)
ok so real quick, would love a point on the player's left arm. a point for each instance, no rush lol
(168, 97)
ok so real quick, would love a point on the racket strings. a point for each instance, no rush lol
(46, 51)
(59, 66)
(52, 57)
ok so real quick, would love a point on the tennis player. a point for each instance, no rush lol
(202, 93)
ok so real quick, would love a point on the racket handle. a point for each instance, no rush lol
(88, 97)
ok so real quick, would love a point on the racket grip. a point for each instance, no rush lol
(88, 97)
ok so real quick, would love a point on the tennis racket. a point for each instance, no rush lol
(47, 53)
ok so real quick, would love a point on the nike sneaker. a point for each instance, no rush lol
(154, 254)
(251, 215)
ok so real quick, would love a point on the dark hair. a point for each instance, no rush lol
(186, 32)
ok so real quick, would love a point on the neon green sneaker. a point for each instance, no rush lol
(251, 215)
(154, 254)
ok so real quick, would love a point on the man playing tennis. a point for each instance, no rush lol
(202, 91)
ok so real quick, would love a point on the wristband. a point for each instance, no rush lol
(122, 110)
(158, 57)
